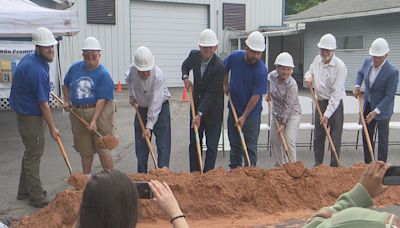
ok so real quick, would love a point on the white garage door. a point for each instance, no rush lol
(170, 30)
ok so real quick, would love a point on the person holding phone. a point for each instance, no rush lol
(352, 208)
(110, 199)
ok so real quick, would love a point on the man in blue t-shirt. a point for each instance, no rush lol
(89, 91)
(246, 86)
(29, 98)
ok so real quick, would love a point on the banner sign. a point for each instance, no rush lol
(11, 52)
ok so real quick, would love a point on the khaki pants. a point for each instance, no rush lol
(85, 140)
(31, 129)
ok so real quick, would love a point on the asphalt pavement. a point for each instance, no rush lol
(54, 171)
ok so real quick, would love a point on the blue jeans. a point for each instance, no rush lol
(212, 133)
(162, 132)
(251, 131)
(383, 137)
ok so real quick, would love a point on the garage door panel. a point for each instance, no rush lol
(170, 30)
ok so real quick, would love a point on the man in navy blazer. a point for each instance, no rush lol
(381, 80)
(208, 95)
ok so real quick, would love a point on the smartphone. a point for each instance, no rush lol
(143, 189)
(392, 176)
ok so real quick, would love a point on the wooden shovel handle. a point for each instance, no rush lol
(333, 148)
(153, 156)
(369, 144)
(83, 121)
(282, 137)
(235, 117)
(196, 131)
(64, 153)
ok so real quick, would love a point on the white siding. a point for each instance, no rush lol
(116, 40)
(371, 27)
(169, 35)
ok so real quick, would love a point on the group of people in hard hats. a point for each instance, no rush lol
(242, 76)
(327, 74)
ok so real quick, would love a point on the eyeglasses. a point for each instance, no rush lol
(92, 54)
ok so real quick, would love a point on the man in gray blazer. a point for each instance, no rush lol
(381, 80)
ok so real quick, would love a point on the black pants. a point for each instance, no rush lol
(335, 125)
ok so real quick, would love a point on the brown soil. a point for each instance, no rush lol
(107, 142)
(219, 198)
(296, 169)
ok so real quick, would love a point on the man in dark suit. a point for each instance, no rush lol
(208, 95)
(381, 80)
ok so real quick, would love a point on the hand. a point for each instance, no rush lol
(308, 82)
(324, 120)
(372, 178)
(165, 199)
(241, 121)
(226, 89)
(268, 98)
(281, 128)
(55, 133)
(356, 91)
(370, 117)
(132, 101)
(93, 125)
(147, 133)
(188, 84)
(67, 106)
(196, 121)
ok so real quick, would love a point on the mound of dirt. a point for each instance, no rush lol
(220, 193)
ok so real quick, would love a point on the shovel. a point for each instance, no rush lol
(293, 169)
(64, 154)
(235, 117)
(365, 129)
(333, 148)
(104, 142)
(196, 132)
(146, 137)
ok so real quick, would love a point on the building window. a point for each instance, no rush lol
(234, 16)
(350, 42)
(100, 11)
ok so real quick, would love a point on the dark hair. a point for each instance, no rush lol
(109, 200)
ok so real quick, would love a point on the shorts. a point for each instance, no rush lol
(85, 140)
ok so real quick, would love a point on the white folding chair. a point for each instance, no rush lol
(266, 125)
(350, 107)
(395, 125)
(307, 108)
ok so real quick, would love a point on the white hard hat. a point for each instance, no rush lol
(379, 47)
(143, 59)
(284, 59)
(255, 41)
(208, 38)
(43, 37)
(91, 43)
(328, 42)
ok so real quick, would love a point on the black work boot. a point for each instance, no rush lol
(39, 203)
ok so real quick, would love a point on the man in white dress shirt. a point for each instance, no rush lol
(327, 74)
(147, 88)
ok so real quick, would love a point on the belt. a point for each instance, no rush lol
(85, 106)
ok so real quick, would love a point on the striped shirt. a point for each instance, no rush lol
(149, 93)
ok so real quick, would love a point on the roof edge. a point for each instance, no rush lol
(344, 16)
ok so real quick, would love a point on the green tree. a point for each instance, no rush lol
(296, 6)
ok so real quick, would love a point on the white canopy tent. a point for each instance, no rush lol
(19, 18)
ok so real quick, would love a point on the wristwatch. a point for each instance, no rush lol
(200, 114)
(184, 77)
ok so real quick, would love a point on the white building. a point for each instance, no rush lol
(169, 28)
